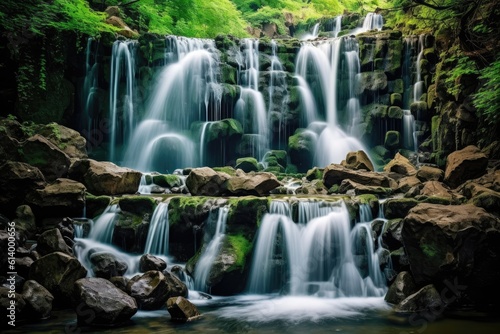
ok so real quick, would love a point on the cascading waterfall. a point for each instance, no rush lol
(317, 258)
(313, 35)
(187, 90)
(323, 64)
(158, 234)
(204, 264)
(250, 109)
(373, 21)
(121, 104)
(102, 230)
(90, 86)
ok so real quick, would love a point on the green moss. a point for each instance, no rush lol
(184, 205)
(245, 215)
(139, 205)
(95, 205)
(226, 169)
(241, 248)
(314, 174)
(366, 198)
(429, 250)
(247, 164)
(167, 180)
(128, 220)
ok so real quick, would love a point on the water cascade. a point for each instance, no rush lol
(102, 231)
(204, 264)
(121, 104)
(373, 21)
(89, 97)
(157, 239)
(316, 258)
(313, 35)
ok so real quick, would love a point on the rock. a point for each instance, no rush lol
(358, 160)
(64, 198)
(105, 178)
(247, 164)
(5, 304)
(67, 140)
(371, 82)
(57, 272)
(17, 180)
(52, 241)
(206, 182)
(259, 184)
(360, 189)
(41, 153)
(408, 182)
(120, 282)
(436, 189)
(150, 262)
(402, 287)
(335, 174)
(107, 304)
(96, 205)
(25, 221)
(38, 300)
(301, 148)
(138, 205)
(124, 29)
(392, 140)
(181, 309)
(465, 164)
(427, 173)
(113, 11)
(130, 231)
(23, 265)
(391, 237)
(425, 299)
(66, 228)
(454, 242)
(107, 265)
(398, 207)
(152, 289)
(400, 165)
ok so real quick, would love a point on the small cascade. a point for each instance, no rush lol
(373, 21)
(204, 264)
(278, 98)
(187, 91)
(157, 239)
(418, 87)
(121, 99)
(250, 109)
(321, 257)
(313, 35)
(334, 26)
(102, 231)
(90, 86)
(280, 208)
(409, 133)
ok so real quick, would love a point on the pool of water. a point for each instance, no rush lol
(276, 314)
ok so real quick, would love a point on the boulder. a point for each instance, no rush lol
(23, 265)
(66, 228)
(130, 231)
(427, 173)
(436, 189)
(57, 272)
(52, 241)
(25, 221)
(402, 287)
(371, 82)
(426, 299)
(358, 160)
(465, 164)
(259, 184)
(39, 152)
(206, 182)
(247, 164)
(150, 262)
(105, 178)
(107, 304)
(335, 174)
(400, 165)
(67, 140)
(454, 243)
(360, 189)
(107, 265)
(38, 300)
(392, 140)
(391, 236)
(5, 303)
(408, 182)
(17, 179)
(398, 207)
(138, 205)
(62, 198)
(181, 309)
(301, 147)
(124, 28)
(120, 282)
(152, 289)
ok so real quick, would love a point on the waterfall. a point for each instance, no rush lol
(373, 21)
(205, 262)
(250, 109)
(121, 104)
(157, 239)
(90, 86)
(102, 231)
(418, 87)
(280, 208)
(338, 26)
(313, 35)
(321, 257)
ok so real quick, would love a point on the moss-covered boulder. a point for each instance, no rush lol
(67, 140)
(301, 149)
(335, 174)
(138, 205)
(167, 180)
(248, 164)
(95, 205)
(131, 231)
(392, 140)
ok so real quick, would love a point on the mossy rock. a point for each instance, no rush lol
(301, 149)
(131, 231)
(396, 100)
(139, 205)
(245, 215)
(182, 209)
(226, 169)
(392, 140)
(247, 164)
(314, 173)
(167, 180)
(279, 155)
(399, 207)
(95, 205)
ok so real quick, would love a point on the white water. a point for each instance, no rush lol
(205, 262)
(315, 257)
(90, 86)
(313, 35)
(158, 234)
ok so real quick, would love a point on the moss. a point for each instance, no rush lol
(314, 174)
(95, 205)
(167, 180)
(184, 206)
(247, 164)
(245, 215)
(128, 220)
(366, 198)
(429, 250)
(241, 247)
(334, 189)
(226, 169)
(139, 205)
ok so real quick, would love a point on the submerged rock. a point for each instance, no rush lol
(99, 302)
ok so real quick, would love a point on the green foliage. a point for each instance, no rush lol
(487, 99)
(464, 66)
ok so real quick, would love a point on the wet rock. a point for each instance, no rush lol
(181, 309)
(398, 207)
(105, 178)
(138, 205)
(57, 272)
(109, 305)
(392, 140)
(400, 165)
(107, 265)
(425, 299)
(402, 287)
(5, 303)
(335, 174)
(259, 184)
(152, 289)
(38, 300)
(120, 282)
(438, 190)
(25, 221)
(17, 180)
(150, 262)
(465, 164)
(39, 152)
(427, 173)
(247, 164)
(206, 182)
(23, 265)
(67, 140)
(408, 182)
(64, 198)
(66, 228)
(391, 237)
(454, 242)
(358, 160)
(360, 189)
(301, 147)
(52, 241)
